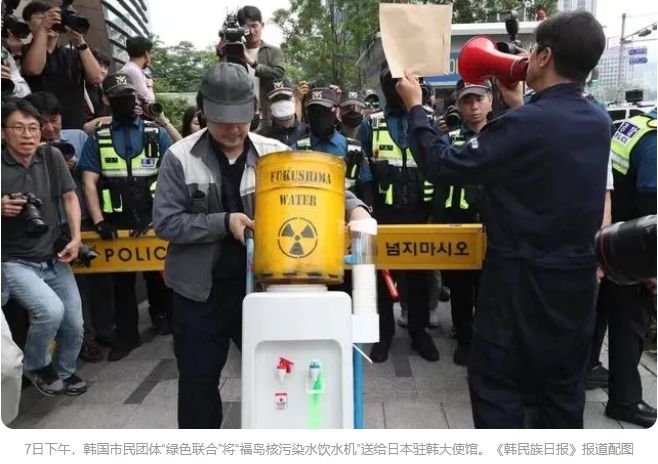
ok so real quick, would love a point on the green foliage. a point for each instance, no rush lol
(323, 38)
(174, 109)
(179, 68)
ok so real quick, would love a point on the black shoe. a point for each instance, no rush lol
(121, 350)
(597, 378)
(161, 325)
(46, 381)
(639, 413)
(379, 351)
(74, 386)
(424, 345)
(462, 354)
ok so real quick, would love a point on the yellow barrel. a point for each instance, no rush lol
(300, 218)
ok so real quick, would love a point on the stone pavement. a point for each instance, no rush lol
(403, 393)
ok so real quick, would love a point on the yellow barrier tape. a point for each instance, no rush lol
(405, 246)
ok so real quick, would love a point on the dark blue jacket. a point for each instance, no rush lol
(543, 167)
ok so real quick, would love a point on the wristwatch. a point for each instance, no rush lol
(82, 47)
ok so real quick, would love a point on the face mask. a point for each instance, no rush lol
(283, 109)
(123, 107)
(352, 119)
(322, 123)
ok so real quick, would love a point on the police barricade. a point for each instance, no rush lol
(403, 246)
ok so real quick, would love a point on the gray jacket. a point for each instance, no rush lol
(188, 211)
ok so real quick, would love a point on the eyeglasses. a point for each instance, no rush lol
(537, 47)
(18, 130)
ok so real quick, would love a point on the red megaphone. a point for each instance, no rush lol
(479, 59)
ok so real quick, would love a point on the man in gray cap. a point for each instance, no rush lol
(203, 204)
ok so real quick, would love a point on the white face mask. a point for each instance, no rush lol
(283, 109)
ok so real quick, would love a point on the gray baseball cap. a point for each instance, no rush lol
(228, 94)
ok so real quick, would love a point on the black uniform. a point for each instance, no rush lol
(543, 195)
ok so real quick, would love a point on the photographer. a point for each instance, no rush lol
(120, 165)
(543, 168)
(13, 84)
(139, 51)
(34, 181)
(60, 70)
(264, 62)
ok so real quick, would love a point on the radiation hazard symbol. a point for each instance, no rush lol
(297, 238)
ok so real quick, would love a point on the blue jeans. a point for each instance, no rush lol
(47, 290)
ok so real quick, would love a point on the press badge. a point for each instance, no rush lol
(149, 163)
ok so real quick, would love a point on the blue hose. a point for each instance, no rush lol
(358, 387)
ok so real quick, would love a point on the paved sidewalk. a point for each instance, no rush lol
(406, 392)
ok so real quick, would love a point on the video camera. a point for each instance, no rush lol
(512, 27)
(452, 117)
(67, 150)
(71, 19)
(234, 36)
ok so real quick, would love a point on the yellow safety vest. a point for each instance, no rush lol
(627, 136)
(457, 141)
(385, 148)
(116, 172)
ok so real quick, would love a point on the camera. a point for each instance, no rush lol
(234, 36)
(10, 23)
(512, 27)
(152, 108)
(626, 251)
(31, 214)
(71, 19)
(85, 254)
(452, 117)
(67, 150)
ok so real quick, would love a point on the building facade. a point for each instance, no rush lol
(570, 5)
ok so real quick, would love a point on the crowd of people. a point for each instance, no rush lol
(87, 150)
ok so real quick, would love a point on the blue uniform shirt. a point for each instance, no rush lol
(543, 167)
(337, 145)
(643, 160)
(128, 141)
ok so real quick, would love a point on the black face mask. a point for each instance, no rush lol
(322, 123)
(123, 107)
(352, 119)
(393, 100)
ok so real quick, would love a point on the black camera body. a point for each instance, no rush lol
(234, 36)
(35, 226)
(71, 19)
(452, 117)
(67, 150)
(85, 254)
(512, 27)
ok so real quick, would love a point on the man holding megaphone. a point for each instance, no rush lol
(543, 170)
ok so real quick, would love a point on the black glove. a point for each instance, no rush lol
(140, 230)
(107, 231)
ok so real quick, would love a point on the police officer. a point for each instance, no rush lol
(543, 167)
(402, 197)
(322, 112)
(633, 153)
(371, 102)
(457, 203)
(285, 127)
(119, 165)
(351, 113)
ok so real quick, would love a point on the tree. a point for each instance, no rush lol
(323, 38)
(179, 68)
